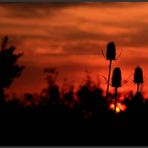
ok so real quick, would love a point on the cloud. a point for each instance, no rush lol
(71, 35)
(34, 10)
(26, 10)
(41, 10)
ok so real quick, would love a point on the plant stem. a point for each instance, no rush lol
(138, 87)
(107, 91)
(115, 98)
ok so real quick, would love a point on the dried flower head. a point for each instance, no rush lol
(111, 51)
(138, 76)
(116, 78)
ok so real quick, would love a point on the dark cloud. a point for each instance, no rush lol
(137, 60)
(69, 33)
(94, 4)
(34, 10)
(84, 48)
(28, 37)
(76, 41)
(22, 26)
(137, 38)
(42, 10)
(27, 10)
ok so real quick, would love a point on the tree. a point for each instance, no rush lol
(9, 69)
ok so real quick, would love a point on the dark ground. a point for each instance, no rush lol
(36, 127)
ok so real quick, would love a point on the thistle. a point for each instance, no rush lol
(116, 82)
(110, 55)
(111, 51)
(138, 77)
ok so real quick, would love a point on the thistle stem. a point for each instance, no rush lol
(138, 87)
(115, 98)
(107, 92)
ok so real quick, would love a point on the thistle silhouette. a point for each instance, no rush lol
(110, 55)
(116, 82)
(138, 77)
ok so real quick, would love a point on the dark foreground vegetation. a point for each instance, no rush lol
(62, 120)
(65, 116)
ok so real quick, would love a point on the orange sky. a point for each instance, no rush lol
(70, 36)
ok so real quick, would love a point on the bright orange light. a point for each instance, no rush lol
(112, 106)
(117, 110)
(119, 107)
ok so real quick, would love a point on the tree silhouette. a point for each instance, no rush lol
(9, 69)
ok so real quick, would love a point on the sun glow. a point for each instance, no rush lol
(120, 107)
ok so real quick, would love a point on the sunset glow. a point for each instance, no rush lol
(71, 36)
(74, 73)
(120, 107)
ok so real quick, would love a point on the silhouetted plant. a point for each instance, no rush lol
(52, 92)
(111, 51)
(110, 55)
(9, 69)
(116, 82)
(28, 98)
(69, 97)
(51, 75)
(138, 77)
(91, 99)
(99, 103)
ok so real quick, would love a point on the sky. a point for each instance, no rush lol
(71, 36)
